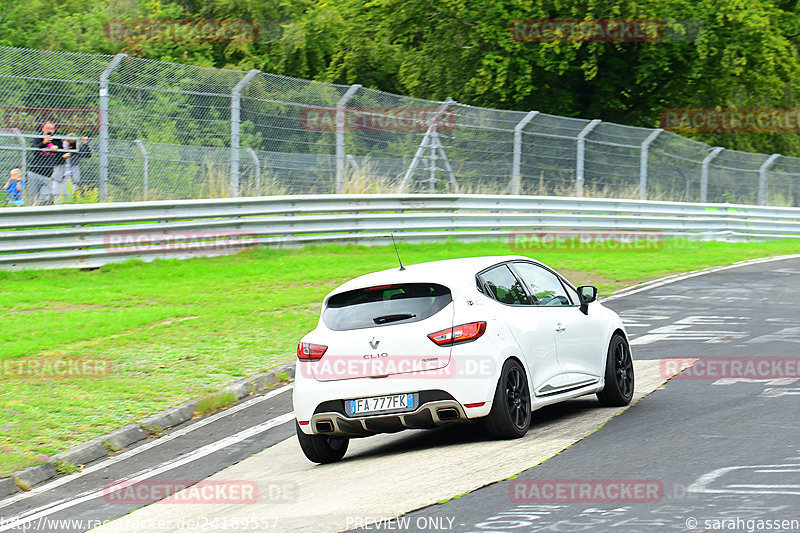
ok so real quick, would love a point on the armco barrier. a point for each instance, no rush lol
(90, 235)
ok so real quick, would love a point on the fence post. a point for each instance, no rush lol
(145, 168)
(579, 166)
(341, 122)
(23, 155)
(643, 162)
(104, 124)
(762, 178)
(704, 173)
(256, 169)
(516, 179)
(23, 167)
(236, 106)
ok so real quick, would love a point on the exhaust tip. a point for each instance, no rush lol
(324, 426)
(447, 413)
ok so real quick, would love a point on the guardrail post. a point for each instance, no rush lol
(236, 107)
(145, 168)
(104, 124)
(643, 162)
(581, 149)
(341, 122)
(704, 173)
(256, 169)
(516, 179)
(762, 178)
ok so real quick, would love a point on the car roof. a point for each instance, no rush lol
(451, 273)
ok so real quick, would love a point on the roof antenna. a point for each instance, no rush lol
(398, 253)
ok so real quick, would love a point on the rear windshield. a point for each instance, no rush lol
(385, 305)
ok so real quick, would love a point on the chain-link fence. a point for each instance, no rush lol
(160, 131)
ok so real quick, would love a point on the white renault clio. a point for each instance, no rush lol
(483, 338)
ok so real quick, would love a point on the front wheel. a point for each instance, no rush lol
(511, 408)
(322, 449)
(619, 374)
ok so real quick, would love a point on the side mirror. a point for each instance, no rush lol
(588, 294)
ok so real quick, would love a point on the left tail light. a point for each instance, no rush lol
(310, 352)
(458, 334)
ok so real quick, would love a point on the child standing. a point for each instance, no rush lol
(14, 187)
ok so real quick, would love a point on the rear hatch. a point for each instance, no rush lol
(383, 331)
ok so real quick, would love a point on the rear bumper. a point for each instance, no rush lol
(319, 406)
(428, 415)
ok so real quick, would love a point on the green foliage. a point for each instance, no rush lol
(718, 53)
(214, 402)
(81, 195)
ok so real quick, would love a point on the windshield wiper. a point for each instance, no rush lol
(392, 318)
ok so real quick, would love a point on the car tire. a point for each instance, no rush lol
(511, 408)
(322, 449)
(620, 380)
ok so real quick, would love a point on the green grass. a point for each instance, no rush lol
(65, 467)
(175, 330)
(214, 402)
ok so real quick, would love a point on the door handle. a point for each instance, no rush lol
(559, 327)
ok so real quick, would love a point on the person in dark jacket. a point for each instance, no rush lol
(68, 170)
(40, 170)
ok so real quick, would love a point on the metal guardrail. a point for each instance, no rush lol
(91, 235)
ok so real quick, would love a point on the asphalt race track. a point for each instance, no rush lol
(721, 448)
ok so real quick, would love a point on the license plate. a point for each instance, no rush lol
(395, 403)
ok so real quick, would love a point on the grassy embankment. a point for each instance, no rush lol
(180, 329)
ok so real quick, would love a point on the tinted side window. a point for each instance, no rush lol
(504, 286)
(545, 286)
(385, 305)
